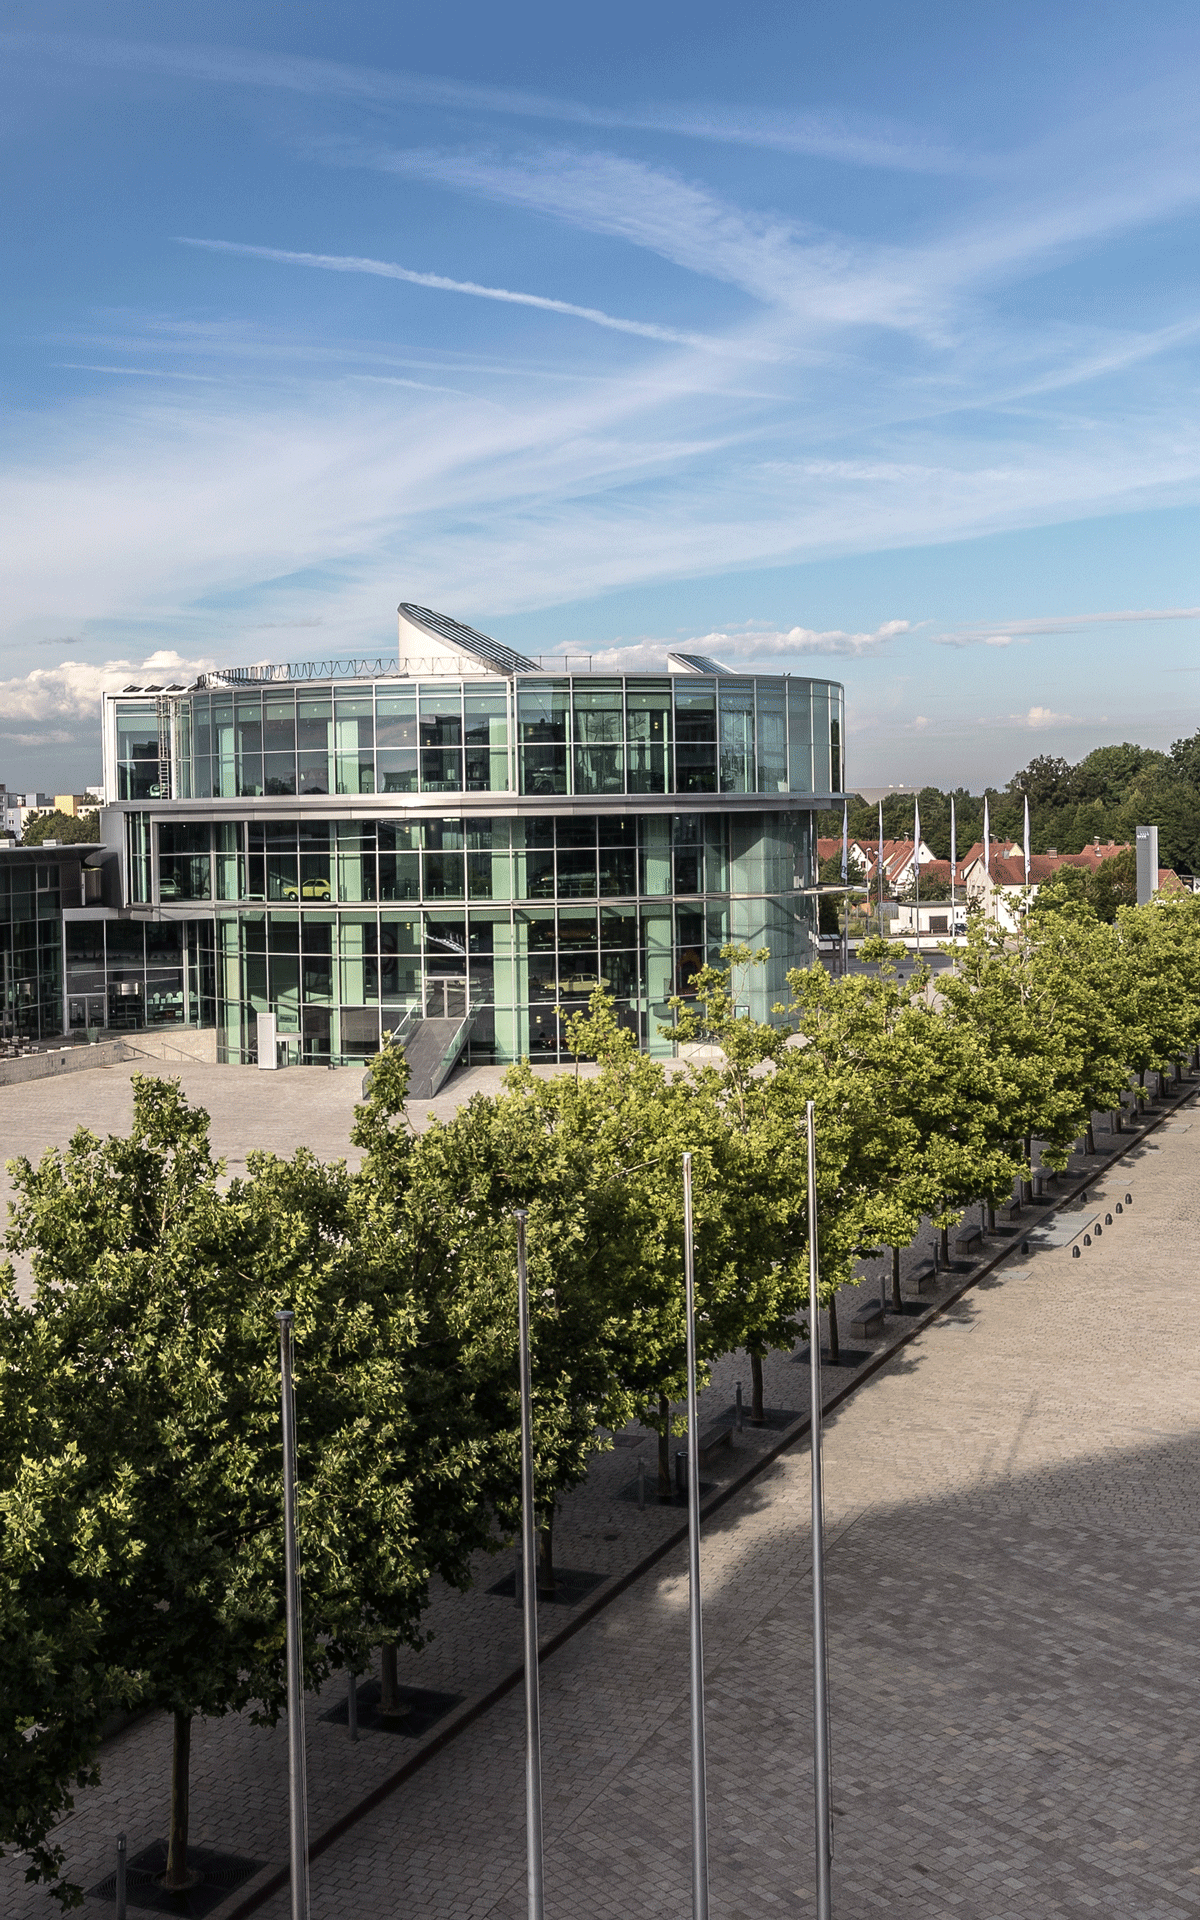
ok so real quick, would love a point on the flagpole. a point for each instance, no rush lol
(533, 1710)
(953, 863)
(881, 869)
(845, 883)
(917, 870)
(821, 1789)
(695, 1624)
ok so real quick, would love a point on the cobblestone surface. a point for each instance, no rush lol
(1013, 1579)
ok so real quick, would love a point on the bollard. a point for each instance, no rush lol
(1108, 1219)
(1120, 1208)
(1128, 1199)
(1099, 1229)
(352, 1705)
(739, 1406)
(1087, 1239)
(1075, 1253)
(681, 1482)
(121, 1909)
(641, 1483)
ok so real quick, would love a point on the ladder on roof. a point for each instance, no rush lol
(162, 709)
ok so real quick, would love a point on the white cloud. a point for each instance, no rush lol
(746, 644)
(48, 696)
(1038, 717)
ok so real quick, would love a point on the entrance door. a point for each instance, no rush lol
(445, 999)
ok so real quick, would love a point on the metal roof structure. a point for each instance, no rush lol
(699, 663)
(466, 640)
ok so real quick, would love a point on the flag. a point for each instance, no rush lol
(1026, 839)
(987, 839)
(845, 839)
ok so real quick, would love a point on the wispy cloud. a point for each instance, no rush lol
(855, 139)
(1003, 633)
(389, 270)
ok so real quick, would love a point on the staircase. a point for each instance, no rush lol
(432, 1047)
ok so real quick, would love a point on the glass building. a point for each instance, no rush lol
(456, 833)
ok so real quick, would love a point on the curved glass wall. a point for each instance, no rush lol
(534, 735)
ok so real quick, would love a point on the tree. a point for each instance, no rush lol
(1114, 885)
(67, 828)
(1047, 780)
(152, 1339)
(922, 1107)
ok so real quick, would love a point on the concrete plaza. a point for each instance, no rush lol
(1015, 1556)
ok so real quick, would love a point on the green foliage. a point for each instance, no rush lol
(1113, 885)
(147, 1429)
(62, 827)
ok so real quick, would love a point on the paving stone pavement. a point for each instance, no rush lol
(1012, 1578)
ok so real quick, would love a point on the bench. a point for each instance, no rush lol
(1009, 1213)
(923, 1276)
(968, 1239)
(718, 1434)
(867, 1321)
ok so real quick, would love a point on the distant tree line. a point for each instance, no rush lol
(1104, 796)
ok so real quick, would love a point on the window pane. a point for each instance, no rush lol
(648, 738)
(542, 711)
(738, 772)
(772, 738)
(800, 762)
(487, 741)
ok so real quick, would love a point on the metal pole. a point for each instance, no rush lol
(120, 1889)
(824, 1831)
(695, 1623)
(297, 1787)
(533, 1718)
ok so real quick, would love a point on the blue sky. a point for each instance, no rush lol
(857, 341)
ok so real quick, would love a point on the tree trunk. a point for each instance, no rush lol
(665, 1488)
(835, 1351)
(897, 1297)
(991, 1217)
(758, 1416)
(545, 1558)
(1090, 1143)
(389, 1685)
(944, 1245)
(177, 1879)
(1027, 1185)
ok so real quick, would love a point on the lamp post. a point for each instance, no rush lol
(821, 1791)
(695, 1623)
(533, 1714)
(297, 1784)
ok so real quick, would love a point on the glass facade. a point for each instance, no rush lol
(128, 974)
(35, 886)
(640, 823)
(506, 924)
(534, 735)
